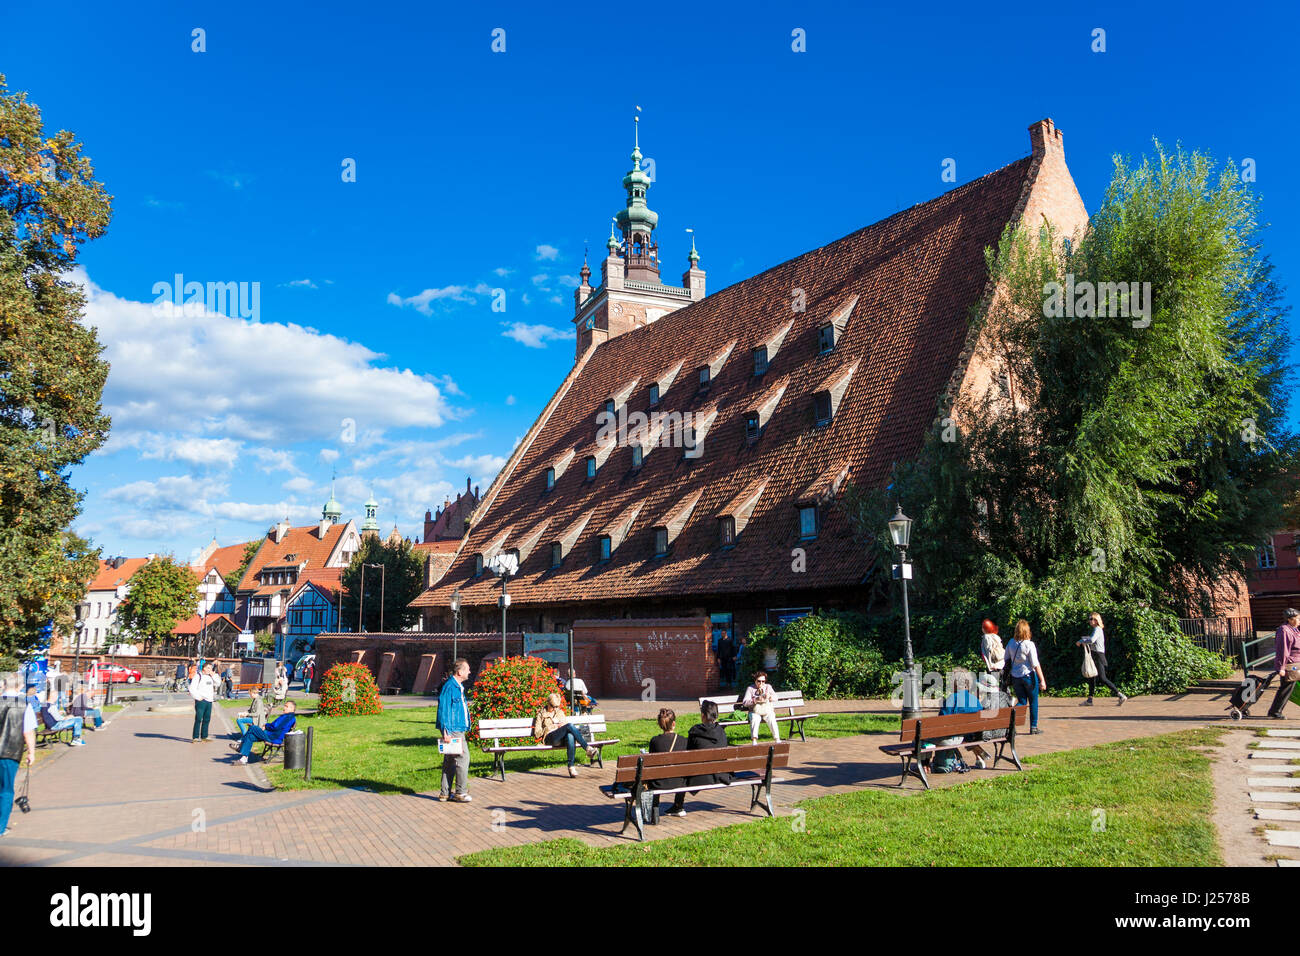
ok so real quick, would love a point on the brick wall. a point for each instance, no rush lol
(616, 657)
(334, 649)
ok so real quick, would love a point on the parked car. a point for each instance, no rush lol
(116, 674)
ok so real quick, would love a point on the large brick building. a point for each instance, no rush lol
(742, 416)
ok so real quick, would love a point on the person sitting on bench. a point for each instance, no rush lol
(667, 742)
(962, 700)
(255, 716)
(272, 733)
(760, 701)
(551, 727)
(83, 708)
(56, 720)
(708, 734)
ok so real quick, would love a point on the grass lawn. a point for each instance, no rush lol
(395, 752)
(1156, 795)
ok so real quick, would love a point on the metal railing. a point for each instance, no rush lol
(1224, 635)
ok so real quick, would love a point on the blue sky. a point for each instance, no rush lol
(478, 170)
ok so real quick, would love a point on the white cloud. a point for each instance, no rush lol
(329, 455)
(210, 452)
(276, 459)
(547, 253)
(535, 336)
(424, 301)
(510, 399)
(303, 283)
(569, 282)
(246, 381)
(540, 280)
(502, 271)
(300, 484)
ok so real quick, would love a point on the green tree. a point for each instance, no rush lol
(1126, 460)
(51, 373)
(400, 582)
(163, 593)
(233, 578)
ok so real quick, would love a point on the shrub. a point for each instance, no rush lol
(349, 690)
(511, 687)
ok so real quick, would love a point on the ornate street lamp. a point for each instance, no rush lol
(900, 533)
(455, 625)
(504, 564)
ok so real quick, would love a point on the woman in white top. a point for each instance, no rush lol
(203, 688)
(1026, 672)
(1096, 643)
(760, 701)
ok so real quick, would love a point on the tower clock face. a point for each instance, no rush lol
(618, 309)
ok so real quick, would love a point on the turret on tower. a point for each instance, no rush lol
(630, 293)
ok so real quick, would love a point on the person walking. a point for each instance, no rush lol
(308, 675)
(1026, 672)
(992, 653)
(1095, 644)
(551, 726)
(1286, 650)
(760, 701)
(453, 722)
(181, 675)
(203, 688)
(17, 727)
(279, 689)
(227, 683)
(727, 660)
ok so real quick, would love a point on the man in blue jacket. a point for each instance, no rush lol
(453, 722)
(272, 733)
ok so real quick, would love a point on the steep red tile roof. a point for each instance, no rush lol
(108, 577)
(298, 546)
(225, 560)
(194, 625)
(900, 292)
(329, 581)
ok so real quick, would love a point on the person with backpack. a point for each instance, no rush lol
(1026, 672)
(992, 652)
(1094, 646)
(203, 689)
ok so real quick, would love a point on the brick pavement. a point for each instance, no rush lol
(142, 794)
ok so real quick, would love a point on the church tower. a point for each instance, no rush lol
(371, 524)
(630, 293)
(332, 511)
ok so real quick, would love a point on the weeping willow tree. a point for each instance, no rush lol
(1134, 447)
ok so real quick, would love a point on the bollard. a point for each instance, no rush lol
(295, 750)
(311, 732)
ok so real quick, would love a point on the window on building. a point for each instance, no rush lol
(760, 360)
(705, 376)
(557, 554)
(610, 407)
(637, 455)
(591, 467)
(550, 478)
(654, 394)
(826, 338)
(822, 408)
(721, 625)
(808, 521)
(478, 564)
(1266, 556)
(751, 425)
(661, 542)
(604, 547)
(688, 441)
(726, 531)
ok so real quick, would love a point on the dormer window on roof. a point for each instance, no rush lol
(757, 418)
(808, 524)
(705, 375)
(740, 508)
(727, 531)
(829, 334)
(822, 408)
(661, 542)
(637, 456)
(694, 430)
(557, 554)
(564, 544)
(478, 564)
(760, 360)
(604, 547)
(591, 467)
(654, 393)
(550, 478)
(752, 427)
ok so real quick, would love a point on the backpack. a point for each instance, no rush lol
(996, 652)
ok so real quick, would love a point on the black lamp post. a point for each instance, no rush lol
(455, 625)
(504, 564)
(900, 533)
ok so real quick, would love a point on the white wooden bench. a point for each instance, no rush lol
(788, 700)
(521, 728)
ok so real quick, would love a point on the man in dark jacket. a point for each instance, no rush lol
(17, 728)
(706, 735)
(727, 659)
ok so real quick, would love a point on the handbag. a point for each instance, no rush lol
(1089, 665)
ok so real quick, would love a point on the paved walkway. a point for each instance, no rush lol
(142, 794)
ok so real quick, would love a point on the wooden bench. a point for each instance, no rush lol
(521, 728)
(788, 700)
(44, 736)
(914, 733)
(750, 765)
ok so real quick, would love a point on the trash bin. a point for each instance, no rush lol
(295, 750)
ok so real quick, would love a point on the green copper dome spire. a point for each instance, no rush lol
(372, 511)
(332, 511)
(637, 220)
